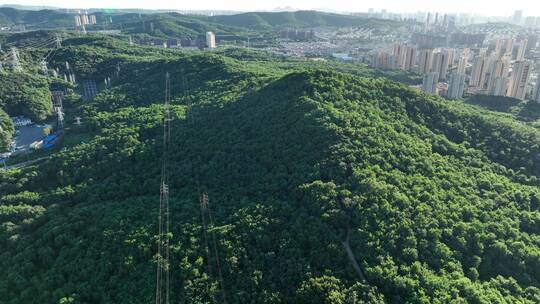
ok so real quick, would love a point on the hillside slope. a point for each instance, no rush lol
(44, 19)
(298, 19)
(6, 131)
(297, 168)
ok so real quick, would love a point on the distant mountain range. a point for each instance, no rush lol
(179, 24)
(30, 7)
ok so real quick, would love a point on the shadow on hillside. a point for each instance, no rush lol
(256, 143)
(494, 103)
(529, 111)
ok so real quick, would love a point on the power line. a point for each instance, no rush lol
(218, 263)
(13, 55)
(163, 251)
(189, 112)
(203, 205)
(36, 45)
(207, 212)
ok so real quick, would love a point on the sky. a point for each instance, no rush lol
(483, 7)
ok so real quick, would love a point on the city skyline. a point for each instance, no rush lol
(482, 7)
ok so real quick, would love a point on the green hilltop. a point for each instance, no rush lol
(46, 19)
(308, 167)
(298, 19)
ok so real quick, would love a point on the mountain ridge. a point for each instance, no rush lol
(296, 163)
(280, 199)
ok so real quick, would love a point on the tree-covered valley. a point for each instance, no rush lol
(327, 183)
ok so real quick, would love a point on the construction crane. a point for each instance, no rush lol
(163, 252)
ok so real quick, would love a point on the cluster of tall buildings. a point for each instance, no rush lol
(438, 23)
(444, 71)
(84, 19)
(201, 42)
(296, 34)
(519, 19)
(433, 21)
(501, 69)
(410, 58)
(401, 57)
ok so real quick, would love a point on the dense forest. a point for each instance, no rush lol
(298, 19)
(37, 19)
(6, 131)
(326, 184)
(527, 112)
(24, 94)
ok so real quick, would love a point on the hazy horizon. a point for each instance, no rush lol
(482, 7)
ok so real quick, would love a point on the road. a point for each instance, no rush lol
(23, 164)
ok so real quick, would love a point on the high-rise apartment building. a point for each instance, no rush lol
(429, 83)
(497, 69)
(440, 64)
(425, 59)
(451, 53)
(532, 41)
(536, 95)
(210, 40)
(426, 25)
(84, 19)
(498, 87)
(504, 46)
(383, 60)
(519, 80)
(479, 69)
(521, 50)
(462, 65)
(397, 49)
(456, 86)
(406, 56)
(518, 17)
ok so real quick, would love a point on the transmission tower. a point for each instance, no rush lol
(189, 110)
(60, 119)
(163, 264)
(204, 211)
(44, 67)
(69, 76)
(58, 41)
(15, 64)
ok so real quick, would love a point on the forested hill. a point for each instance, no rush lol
(437, 202)
(36, 19)
(298, 19)
(175, 24)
